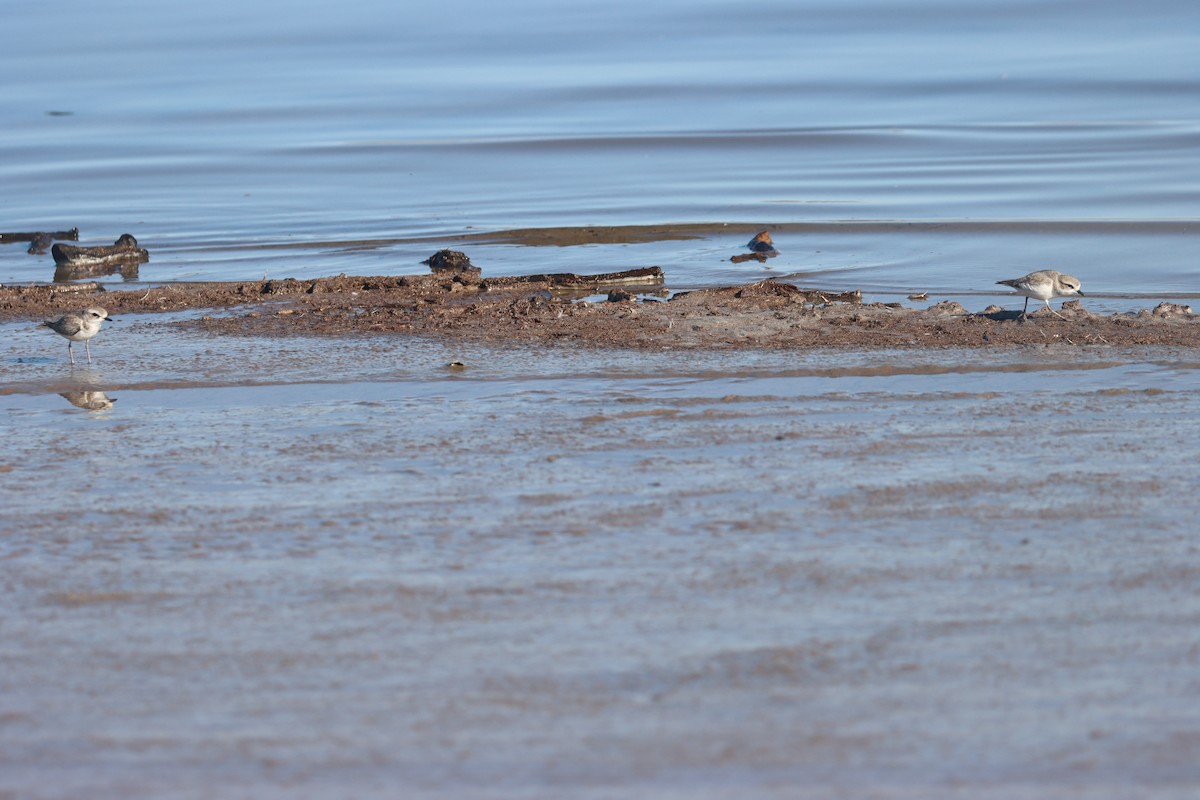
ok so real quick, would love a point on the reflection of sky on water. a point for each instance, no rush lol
(217, 125)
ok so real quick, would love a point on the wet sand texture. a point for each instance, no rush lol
(878, 581)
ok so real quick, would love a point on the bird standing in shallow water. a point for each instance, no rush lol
(1045, 285)
(78, 328)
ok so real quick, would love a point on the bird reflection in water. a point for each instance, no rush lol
(89, 400)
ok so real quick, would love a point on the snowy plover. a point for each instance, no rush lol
(1044, 285)
(78, 328)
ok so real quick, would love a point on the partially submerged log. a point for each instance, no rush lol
(455, 264)
(39, 241)
(8, 238)
(125, 249)
(642, 276)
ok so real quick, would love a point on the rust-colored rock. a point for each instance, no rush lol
(762, 243)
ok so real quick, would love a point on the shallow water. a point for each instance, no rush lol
(237, 140)
(338, 566)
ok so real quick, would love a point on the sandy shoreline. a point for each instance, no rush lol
(765, 314)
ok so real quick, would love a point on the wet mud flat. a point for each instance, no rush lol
(298, 557)
(564, 576)
(761, 314)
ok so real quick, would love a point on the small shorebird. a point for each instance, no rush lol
(1045, 285)
(78, 328)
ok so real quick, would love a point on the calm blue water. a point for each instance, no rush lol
(241, 139)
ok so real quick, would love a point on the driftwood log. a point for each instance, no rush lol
(9, 238)
(642, 276)
(39, 241)
(124, 249)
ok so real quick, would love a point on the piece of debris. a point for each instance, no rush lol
(1172, 310)
(124, 249)
(919, 298)
(621, 296)
(642, 276)
(761, 248)
(39, 241)
(451, 261)
(949, 307)
(39, 244)
(761, 243)
(773, 291)
(820, 297)
(759, 257)
(1072, 307)
(75, 288)
(123, 256)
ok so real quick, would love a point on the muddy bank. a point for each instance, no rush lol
(762, 314)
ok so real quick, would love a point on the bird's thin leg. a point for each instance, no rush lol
(1025, 310)
(70, 354)
(87, 345)
(1052, 311)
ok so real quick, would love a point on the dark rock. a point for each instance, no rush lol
(450, 261)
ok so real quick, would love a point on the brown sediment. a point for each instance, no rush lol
(766, 314)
